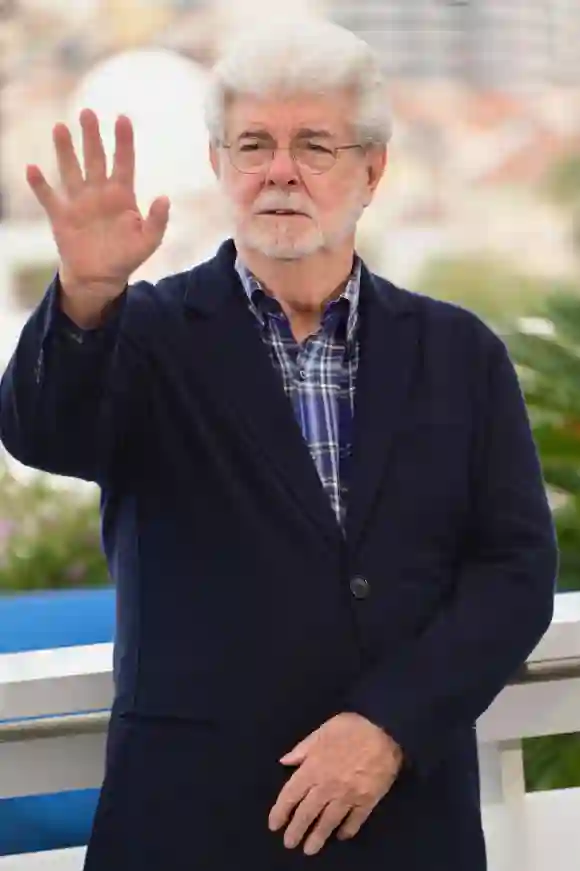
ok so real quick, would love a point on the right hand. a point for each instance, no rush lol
(101, 236)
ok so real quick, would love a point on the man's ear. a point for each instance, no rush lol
(377, 163)
(214, 159)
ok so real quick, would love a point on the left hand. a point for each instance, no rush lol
(346, 767)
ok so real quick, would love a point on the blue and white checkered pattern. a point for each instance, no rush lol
(319, 376)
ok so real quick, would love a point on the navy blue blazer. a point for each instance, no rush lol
(245, 618)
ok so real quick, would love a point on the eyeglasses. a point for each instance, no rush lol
(254, 155)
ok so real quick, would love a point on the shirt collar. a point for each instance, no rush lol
(254, 291)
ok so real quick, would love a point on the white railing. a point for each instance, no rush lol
(57, 703)
(534, 831)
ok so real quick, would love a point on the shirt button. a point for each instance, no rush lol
(360, 588)
(303, 374)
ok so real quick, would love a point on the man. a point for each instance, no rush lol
(322, 506)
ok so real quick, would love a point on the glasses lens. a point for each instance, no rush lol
(254, 156)
(312, 156)
(251, 157)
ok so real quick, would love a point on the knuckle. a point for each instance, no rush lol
(334, 813)
(365, 796)
(362, 791)
(302, 818)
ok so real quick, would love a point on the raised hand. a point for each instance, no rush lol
(101, 235)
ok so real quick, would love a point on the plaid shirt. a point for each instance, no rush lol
(318, 375)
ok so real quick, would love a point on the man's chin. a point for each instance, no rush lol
(288, 254)
(278, 250)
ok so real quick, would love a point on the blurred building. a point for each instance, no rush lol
(508, 44)
(486, 98)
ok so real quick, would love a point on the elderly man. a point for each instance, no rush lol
(322, 506)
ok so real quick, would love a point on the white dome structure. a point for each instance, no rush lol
(162, 93)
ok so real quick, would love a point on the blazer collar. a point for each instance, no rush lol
(210, 284)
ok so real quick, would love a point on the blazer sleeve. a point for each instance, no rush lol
(503, 601)
(68, 395)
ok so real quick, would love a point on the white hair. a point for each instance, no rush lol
(311, 56)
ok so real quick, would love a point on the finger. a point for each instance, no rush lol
(124, 158)
(156, 221)
(354, 821)
(291, 794)
(41, 189)
(331, 817)
(308, 810)
(69, 169)
(93, 150)
(301, 750)
(296, 756)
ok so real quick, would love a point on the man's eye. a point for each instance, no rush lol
(251, 146)
(319, 149)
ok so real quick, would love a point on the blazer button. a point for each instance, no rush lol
(360, 588)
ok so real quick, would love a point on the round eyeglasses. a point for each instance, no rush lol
(255, 155)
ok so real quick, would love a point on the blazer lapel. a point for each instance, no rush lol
(235, 365)
(389, 339)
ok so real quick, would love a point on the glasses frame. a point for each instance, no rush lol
(336, 150)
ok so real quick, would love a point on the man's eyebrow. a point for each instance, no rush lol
(256, 133)
(311, 133)
(303, 132)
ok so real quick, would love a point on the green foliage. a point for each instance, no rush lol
(562, 186)
(488, 286)
(30, 283)
(552, 762)
(49, 536)
(549, 368)
(562, 183)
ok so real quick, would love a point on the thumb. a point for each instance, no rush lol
(299, 753)
(156, 221)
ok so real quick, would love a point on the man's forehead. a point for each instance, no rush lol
(309, 112)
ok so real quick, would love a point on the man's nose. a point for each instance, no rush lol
(283, 169)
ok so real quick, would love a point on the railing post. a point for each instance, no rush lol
(503, 794)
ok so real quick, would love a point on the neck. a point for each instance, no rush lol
(302, 287)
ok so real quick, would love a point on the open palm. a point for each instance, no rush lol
(101, 235)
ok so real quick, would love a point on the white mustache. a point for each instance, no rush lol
(273, 201)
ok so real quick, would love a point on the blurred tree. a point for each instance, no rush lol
(552, 762)
(562, 186)
(489, 286)
(49, 536)
(549, 369)
(562, 183)
(30, 283)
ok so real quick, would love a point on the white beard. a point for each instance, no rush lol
(279, 239)
(279, 244)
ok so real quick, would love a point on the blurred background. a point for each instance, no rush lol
(480, 206)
